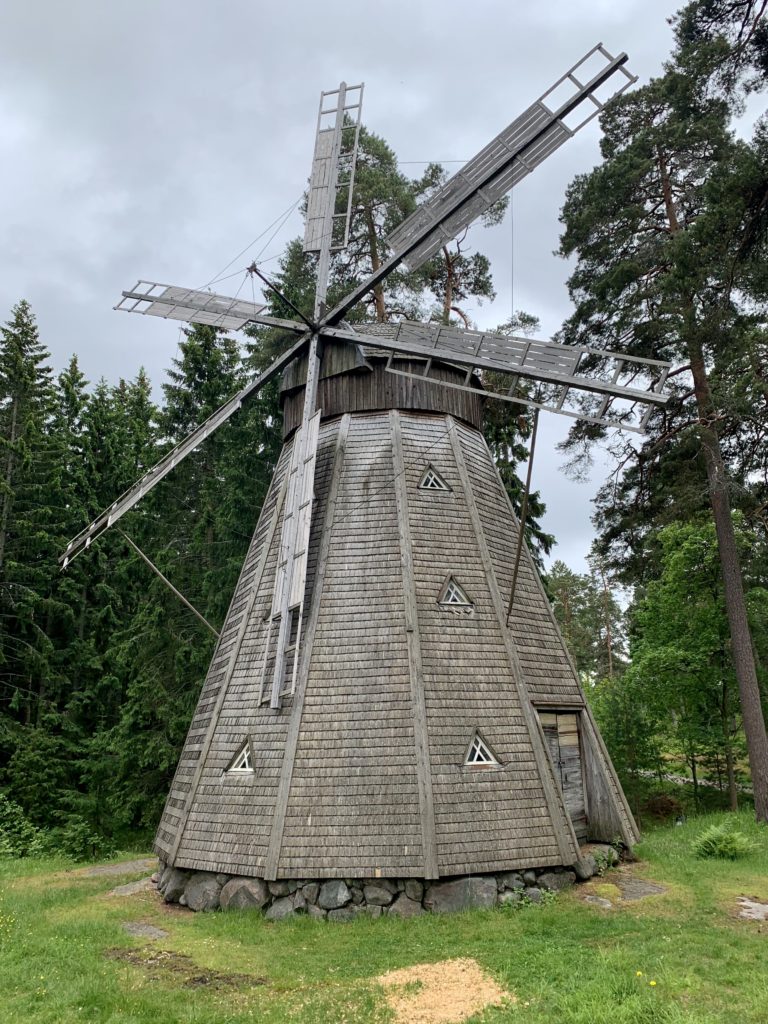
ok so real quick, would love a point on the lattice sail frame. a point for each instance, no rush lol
(333, 173)
(501, 165)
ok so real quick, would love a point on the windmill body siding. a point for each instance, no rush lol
(394, 685)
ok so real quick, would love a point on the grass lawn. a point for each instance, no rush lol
(65, 957)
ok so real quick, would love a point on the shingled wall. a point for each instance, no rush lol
(361, 772)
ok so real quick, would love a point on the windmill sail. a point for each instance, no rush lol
(513, 154)
(623, 390)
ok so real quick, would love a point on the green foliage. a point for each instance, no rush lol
(18, 836)
(78, 841)
(723, 841)
(591, 620)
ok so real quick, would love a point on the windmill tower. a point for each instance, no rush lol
(390, 698)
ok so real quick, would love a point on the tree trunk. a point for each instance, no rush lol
(733, 587)
(730, 773)
(378, 291)
(8, 482)
(607, 617)
(694, 779)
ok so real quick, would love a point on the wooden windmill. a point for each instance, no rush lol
(374, 708)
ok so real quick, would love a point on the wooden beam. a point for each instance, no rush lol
(297, 707)
(416, 673)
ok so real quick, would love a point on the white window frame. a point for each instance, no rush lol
(478, 745)
(452, 585)
(242, 762)
(441, 485)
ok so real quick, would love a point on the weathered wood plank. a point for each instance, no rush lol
(286, 774)
(421, 733)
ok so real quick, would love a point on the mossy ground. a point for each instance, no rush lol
(64, 956)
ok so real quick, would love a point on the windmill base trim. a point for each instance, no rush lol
(345, 899)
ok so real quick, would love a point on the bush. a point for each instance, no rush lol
(76, 839)
(661, 807)
(18, 836)
(722, 841)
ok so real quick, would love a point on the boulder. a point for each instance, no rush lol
(165, 874)
(414, 889)
(173, 887)
(385, 883)
(299, 903)
(377, 895)
(605, 855)
(511, 880)
(585, 867)
(282, 907)
(533, 895)
(283, 888)
(358, 897)
(244, 893)
(405, 907)
(555, 881)
(345, 913)
(529, 877)
(461, 894)
(510, 897)
(313, 911)
(334, 895)
(311, 891)
(202, 891)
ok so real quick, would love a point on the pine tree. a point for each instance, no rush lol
(659, 266)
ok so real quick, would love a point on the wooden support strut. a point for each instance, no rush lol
(523, 514)
(416, 673)
(168, 583)
(297, 706)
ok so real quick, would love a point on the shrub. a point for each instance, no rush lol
(722, 841)
(76, 839)
(18, 836)
(662, 807)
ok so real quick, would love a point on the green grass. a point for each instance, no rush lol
(566, 962)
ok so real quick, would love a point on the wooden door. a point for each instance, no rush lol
(561, 731)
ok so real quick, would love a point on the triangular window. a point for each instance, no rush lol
(453, 595)
(242, 761)
(432, 481)
(479, 754)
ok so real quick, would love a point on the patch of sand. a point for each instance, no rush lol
(443, 993)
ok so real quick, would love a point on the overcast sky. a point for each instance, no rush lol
(157, 139)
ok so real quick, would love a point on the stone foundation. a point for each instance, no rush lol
(343, 899)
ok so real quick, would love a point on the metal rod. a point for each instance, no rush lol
(168, 583)
(253, 269)
(523, 513)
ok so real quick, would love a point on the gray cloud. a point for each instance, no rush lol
(156, 139)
